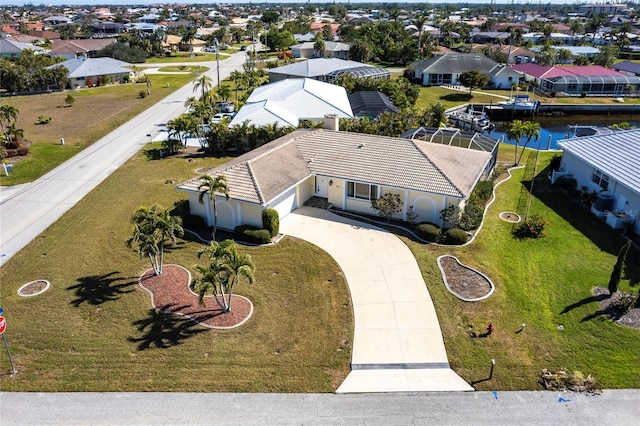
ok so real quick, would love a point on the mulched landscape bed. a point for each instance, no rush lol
(170, 294)
(463, 282)
(630, 319)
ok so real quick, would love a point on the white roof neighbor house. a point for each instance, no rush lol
(348, 169)
(608, 164)
(286, 102)
(94, 71)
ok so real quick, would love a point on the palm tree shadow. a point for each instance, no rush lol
(98, 289)
(161, 330)
(584, 301)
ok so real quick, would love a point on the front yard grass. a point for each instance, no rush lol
(542, 283)
(94, 329)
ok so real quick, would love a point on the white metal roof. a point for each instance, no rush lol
(615, 154)
(88, 67)
(305, 99)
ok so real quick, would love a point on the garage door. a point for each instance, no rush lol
(286, 203)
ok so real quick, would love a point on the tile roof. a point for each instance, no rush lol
(617, 154)
(627, 66)
(262, 174)
(454, 63)
(79, 45)
(553, 71)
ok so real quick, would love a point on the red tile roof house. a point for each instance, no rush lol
(592, 80)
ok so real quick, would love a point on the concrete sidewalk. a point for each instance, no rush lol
(397, 343)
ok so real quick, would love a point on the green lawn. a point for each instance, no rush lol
(542, 283)
(89, 330)
(184, 57)
(95, 113)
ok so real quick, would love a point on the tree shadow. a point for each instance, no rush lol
(162, 330)
(584, 301)
(98, 289)
(457, 97)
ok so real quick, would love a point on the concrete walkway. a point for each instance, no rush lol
(397, 343)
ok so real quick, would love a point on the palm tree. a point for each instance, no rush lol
(213, 185)
(224, 269)
(516, 131)
(319, 46)
(419, 22)
(151, 228)
(530, 130)
(8, 115)
(224, 92)
(204, 84)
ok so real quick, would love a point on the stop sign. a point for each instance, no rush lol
(3, 325)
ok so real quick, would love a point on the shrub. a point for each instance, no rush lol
(482, 192)
(271, 221)
(428, 231)
(23, 150)
(450, 216)
(142, 94)
(192, 221)
(553, 93)
(456, 236)
(44, 119)
(471, 217)
(533, 227)
(567, 183)
(252, 234)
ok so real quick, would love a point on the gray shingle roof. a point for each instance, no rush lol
(616, 154)
(262, 174)
(316, 67)
(455, 63)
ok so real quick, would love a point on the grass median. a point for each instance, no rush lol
(94, 329)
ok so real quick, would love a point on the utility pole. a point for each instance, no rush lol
(215, 40)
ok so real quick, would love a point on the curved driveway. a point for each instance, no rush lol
(27, 210)
(397, 343)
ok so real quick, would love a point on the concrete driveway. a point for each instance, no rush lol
(397, 343)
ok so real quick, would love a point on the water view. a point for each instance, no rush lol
(559, 128)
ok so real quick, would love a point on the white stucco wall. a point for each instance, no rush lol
(305, 190)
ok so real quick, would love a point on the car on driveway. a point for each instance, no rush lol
(225, 106)
(211, 49)
(243, 48)
(222, 115)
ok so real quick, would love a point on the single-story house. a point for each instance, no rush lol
(628, 68)
(446, 69)
(87, 48)
(286, 102)
(608, 164)
(347, 169)
(593, 80)
(371, 104)
(90, 72)
(332, 49)
(325, 69)
(11, 48)
(586, 51)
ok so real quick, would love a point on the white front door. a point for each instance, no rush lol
(322, 187)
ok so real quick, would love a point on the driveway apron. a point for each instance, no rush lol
(398, 344)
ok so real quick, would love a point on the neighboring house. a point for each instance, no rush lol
(195, 45)
(11, 48)
(172, 43)
(608, 164)
(87, 48)
(90, 72)
(57, 20)
(592, 80)
(586, 51)
(489, 37)
(324, 69)
(348, 169)
(286, 102)
(332, 49)
(371, 104)
(606, 8)
(300, 38)
(446, 69)
(628, 68)
(43, 34)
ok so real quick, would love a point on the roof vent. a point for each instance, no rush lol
(309, 161)
(361, 145)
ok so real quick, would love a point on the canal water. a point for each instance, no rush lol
(561, 127)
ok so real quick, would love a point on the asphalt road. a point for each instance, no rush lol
(619, 407)
(27, 210)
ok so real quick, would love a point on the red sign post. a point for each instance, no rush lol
(3, 324)
(3, 328)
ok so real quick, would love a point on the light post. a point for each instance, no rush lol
(215, 40)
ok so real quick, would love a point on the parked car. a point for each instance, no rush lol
(224, 46)
(243, 48)
(211, 49)
(221, 115)
(225, 106)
